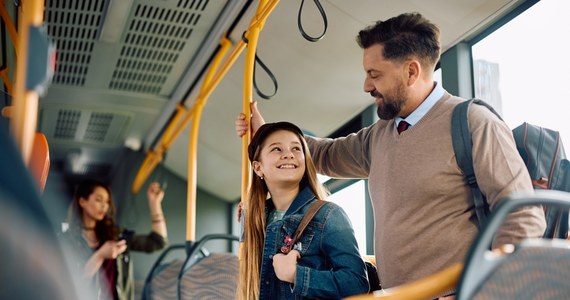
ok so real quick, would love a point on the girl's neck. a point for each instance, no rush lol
(282, 198)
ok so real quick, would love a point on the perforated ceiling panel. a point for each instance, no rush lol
(74, 43)
(157, 43)
(84, 125)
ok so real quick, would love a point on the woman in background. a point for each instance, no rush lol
(102, 246)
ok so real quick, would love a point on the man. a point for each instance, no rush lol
(424, 219)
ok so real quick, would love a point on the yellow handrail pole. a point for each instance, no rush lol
(150, 162)
(425, 288)
(252, 35)
(209, 86)
(154, 157)
(193, 143)
(178, 128)
(25, 113)
(168, 133)
(184, 116)
(10, 26)
(264, 9)
(192, 181)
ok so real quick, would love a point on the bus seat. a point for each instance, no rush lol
(40, 161)
(212, 277)
(532, 269)
(164, 284)
(202, 275)
(535, 269)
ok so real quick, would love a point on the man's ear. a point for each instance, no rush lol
(413, 69)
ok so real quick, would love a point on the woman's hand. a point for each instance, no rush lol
(112, 249)
(155, 194)
(285, 265)
(109, 250)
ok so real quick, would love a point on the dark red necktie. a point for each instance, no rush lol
(402, 126)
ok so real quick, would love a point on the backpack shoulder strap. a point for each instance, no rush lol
(462, 146)
(311, 212)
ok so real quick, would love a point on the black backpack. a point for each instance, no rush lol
(540, 149)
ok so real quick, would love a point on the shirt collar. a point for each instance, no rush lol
(424, 107)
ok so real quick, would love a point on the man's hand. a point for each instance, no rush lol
(286, 265)
(242, 122)
(239, 209)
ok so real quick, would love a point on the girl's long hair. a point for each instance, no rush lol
(254, 227)
(105, 229)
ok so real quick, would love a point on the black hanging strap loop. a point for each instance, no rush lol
(271, 76)
(266, 69)
(325, 22)
(243, 38)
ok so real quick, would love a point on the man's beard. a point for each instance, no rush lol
(393, 104)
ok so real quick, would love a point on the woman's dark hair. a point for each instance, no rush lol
(105, 229)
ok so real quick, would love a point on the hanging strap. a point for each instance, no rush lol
(267, 71)
(300, 24)
(315, 206)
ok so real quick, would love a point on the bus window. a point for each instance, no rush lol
(519, 68)
(437, 75)
(352, 200)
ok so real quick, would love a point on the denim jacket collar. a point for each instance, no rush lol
(303, 198)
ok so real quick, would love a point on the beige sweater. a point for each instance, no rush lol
(421, 205)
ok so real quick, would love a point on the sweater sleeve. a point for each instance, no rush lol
(500, 171)
(344, 157)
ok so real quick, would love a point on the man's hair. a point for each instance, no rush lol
(406, 36)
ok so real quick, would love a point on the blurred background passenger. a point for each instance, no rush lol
(102, 246)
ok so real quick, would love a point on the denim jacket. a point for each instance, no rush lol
(330, 265)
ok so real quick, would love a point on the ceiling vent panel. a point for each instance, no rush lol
(84, 126)
(98, 126)
(73, 26)
(154, 43)
(159, 43)
(66, 126)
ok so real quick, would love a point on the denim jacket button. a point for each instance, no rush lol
(270, 256)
